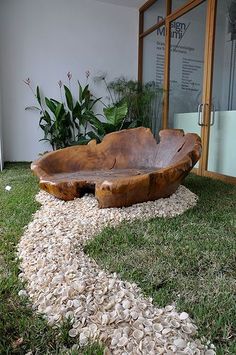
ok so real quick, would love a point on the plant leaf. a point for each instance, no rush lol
(97, 125)
(55, 101)
(108, 128)
(69, 98)
(58, 111)
(93, 102)
(86, 92)
(80, 92)
(51, 105)
(38, 95)
(76, 110)
(116, 114)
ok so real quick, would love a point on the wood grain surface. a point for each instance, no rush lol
(127, 167)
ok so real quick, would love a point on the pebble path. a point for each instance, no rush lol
(63, 282)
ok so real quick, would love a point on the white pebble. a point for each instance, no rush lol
(183, 316)
(22, 293)
(63, 282)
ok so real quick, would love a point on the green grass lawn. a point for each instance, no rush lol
(21, 330)
(189, 259)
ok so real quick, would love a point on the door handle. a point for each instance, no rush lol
(212, 115)
(200, 123)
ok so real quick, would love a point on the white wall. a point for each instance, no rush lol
(43, 39)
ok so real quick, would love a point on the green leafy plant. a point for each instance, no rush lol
(69, 122)
(143, 102)
(115, 121)
(132, 104)
(65, 123)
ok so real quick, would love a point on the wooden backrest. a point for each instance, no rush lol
(130, 148)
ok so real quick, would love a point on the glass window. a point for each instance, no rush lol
(153, 73)
(186, 70)
(154, 14)
(222, 152)
(176, 4)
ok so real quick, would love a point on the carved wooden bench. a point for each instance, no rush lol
(127, 167)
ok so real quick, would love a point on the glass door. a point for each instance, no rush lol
(186, 69)
(191, 53)
(222, 125)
